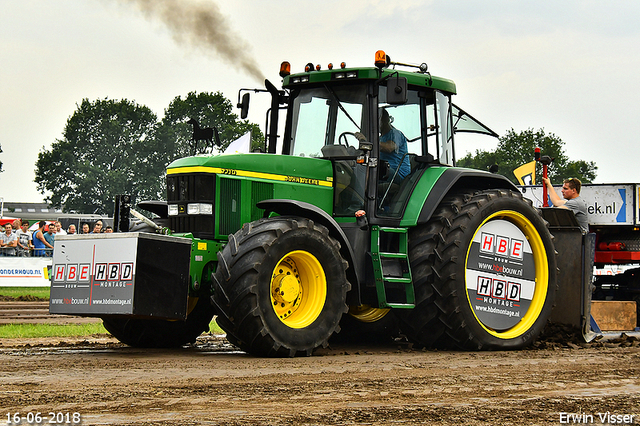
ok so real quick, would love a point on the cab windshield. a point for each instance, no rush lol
(327, 117)
(324, 123)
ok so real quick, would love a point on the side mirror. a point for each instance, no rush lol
(397, 90)
(244, 106)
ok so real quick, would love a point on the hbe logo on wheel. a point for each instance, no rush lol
(501, 246)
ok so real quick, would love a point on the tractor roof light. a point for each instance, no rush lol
(285, 69)
(318, 67)
(309, 67)
(382, 60)
(330, 66)
(345, 74)
(343, 65)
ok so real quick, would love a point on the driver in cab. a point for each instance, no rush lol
(393, 147)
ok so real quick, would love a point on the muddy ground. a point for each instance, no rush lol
(211, 383)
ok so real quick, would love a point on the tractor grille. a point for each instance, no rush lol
(259, 191)
(195, 188)
(230, 206)
(191, 188)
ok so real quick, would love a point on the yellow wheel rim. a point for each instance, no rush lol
(298, 289)
(540, 262)
(366, 313)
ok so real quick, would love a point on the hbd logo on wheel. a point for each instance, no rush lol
(498, 289)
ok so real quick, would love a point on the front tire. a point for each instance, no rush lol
(281, 287)
(493, 278)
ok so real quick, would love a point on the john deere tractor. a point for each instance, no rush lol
(328, 224)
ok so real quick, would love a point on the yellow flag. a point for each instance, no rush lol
(526, 174)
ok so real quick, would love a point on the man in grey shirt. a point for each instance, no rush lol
(8, 241)
(572, 200)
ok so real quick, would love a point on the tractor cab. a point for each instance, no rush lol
(337, 115)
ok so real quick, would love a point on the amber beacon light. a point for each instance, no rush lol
(382, 60)
(285, 69)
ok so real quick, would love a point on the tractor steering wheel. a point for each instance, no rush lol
(344, 135)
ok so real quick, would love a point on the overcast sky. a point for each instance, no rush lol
(570, 67)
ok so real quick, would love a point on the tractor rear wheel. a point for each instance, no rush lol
(422, 325)
(146, 333)
(493, 279)
(281, 287)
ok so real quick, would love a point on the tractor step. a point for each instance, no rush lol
(394, 285)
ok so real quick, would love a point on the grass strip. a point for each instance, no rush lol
(26, 331)
(39, 292)
(20, 331)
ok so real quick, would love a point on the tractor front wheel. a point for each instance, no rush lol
(281, 287)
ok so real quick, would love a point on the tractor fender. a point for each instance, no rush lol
(459, 178)
(285, 207)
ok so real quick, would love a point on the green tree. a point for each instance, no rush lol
(108, 148)
(210, 110)
(515, 149)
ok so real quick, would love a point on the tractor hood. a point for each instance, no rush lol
(283, 168)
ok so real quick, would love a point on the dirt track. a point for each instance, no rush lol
(212, 383)
(34, 312)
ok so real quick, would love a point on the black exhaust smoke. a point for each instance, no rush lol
(201, 24)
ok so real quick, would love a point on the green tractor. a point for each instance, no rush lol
(355, 216)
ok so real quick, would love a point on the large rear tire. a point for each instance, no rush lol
(281, 287)
(422, 325)
(145, 333)
(493, 278)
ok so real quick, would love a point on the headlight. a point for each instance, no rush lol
(199, 208)
(173, 210)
